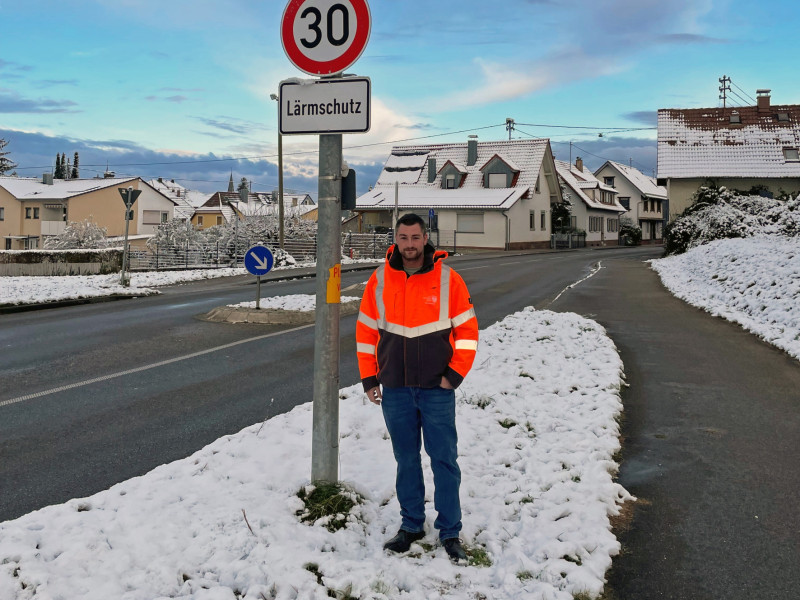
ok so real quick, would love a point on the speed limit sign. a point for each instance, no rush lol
(323, 37)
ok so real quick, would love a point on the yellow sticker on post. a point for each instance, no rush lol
(334, 295)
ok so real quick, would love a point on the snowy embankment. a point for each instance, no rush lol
(40, 289)
(754, 282)
(537, 420)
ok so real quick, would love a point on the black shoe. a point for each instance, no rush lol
(403, 540)
(455, 550)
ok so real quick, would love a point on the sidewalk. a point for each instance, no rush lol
(711, 430)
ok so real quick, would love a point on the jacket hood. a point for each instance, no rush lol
(431, 255)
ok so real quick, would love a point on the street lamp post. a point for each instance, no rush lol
(280, 174)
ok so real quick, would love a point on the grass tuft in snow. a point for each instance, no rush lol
(477, 556)
(328, 504)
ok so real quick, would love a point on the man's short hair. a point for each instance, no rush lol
(411, 219)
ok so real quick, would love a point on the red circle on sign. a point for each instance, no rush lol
(335, 65)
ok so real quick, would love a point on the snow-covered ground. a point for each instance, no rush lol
(754, 282)
(537, 430)
(36, 290)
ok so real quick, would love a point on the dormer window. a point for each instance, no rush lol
(791, 154)
(736, 117)
(498, 180)
(783, 117)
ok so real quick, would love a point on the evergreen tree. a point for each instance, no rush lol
(6, 164)
(75, 170)
(243, 185)
(59, 172)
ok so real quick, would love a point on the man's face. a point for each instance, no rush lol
(411, 243)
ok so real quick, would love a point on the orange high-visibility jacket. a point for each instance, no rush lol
(412, 330)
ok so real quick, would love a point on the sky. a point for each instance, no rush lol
(181, 89)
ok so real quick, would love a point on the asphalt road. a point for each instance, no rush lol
(98, 393)
(711, 437)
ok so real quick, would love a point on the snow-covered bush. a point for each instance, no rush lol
(83, 234)
(720, 213)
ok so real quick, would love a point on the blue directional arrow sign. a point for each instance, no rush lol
(258, 260)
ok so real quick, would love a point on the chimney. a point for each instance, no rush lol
(243, 194)
(762, 97)
(472, 150)
(160, 180)
(579, 163)
(431, 169)
(47, 178)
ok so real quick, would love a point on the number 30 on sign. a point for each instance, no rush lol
(324, 37)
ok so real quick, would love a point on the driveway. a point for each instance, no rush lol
(711, 441)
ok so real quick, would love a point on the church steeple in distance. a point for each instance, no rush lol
(230, 184)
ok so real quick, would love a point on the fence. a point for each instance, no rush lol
(568, 240)
(193, 256)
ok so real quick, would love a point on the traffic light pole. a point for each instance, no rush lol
(325, 429)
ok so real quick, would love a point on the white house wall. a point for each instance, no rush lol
(149, 199)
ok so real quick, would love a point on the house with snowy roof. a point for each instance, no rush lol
(32, 209)
(187, 201)
(593, 204)
(741, 148)
(645, 200)
(492, 195)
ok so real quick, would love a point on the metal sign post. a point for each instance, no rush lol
(324, 38)
(129, 196)
(258, 260)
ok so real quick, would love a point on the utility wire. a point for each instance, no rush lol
(745, 93)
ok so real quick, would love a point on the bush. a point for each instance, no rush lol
(720, 213)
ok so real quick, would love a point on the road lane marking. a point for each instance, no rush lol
(162, 363)
(597, 268)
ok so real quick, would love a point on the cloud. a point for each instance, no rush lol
(641, 152)
(232, 125)
(11, 102)
(690, 38)
(646, 117)
(44, 83)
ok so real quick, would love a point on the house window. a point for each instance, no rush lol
(658, 206)
(573, 222)
(736, 117)
(8, 244)
(28, 213)
(469, 223)
(200, 221)
(532, 220)
(536, 189)
(2, 214)
(498, 180)
(791, 154)
(625, 201)
(543, 220)
(164, 217)
(219, 220)
(450, 182)
(783, 116)
(609, 181)
(36, 212)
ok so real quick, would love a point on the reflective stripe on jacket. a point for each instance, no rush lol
(412, 330)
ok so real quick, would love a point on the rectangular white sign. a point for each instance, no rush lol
(318, 106)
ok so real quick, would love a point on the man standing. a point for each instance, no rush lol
(416, 337)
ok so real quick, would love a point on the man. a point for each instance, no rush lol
(416, 337)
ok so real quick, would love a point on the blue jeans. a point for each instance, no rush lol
(413, 414)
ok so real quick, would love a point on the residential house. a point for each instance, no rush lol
(593, 204)
(744, 148)
(187, 201)
(225, 207)
(32, 209)
(492, 195)
(645, 200)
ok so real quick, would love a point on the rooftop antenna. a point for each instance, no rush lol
(724, 88)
